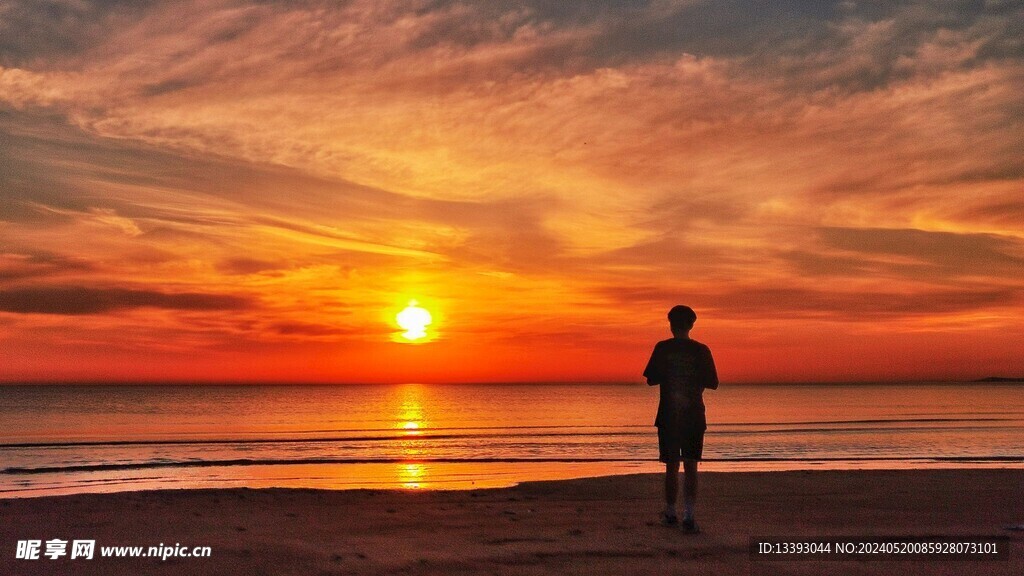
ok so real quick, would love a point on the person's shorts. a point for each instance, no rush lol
(677, 443)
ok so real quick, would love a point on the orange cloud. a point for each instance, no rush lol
(549, 176)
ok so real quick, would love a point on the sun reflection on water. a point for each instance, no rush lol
(410, 419)
(412, 475)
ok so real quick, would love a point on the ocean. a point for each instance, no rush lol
(58, 439)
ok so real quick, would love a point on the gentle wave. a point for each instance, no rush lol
(426, 434)
(286, 461)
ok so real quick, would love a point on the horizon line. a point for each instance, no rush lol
(182, 382)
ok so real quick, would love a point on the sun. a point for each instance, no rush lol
(414, 320)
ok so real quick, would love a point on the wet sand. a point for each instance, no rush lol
(589, 526)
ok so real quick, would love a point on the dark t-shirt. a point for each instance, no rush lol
(683, 368)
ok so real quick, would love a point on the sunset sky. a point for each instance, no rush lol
(250, 191)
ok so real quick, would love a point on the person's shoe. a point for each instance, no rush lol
(668, 519)
(690, 527)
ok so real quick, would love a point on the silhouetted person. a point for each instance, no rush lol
(683, 368)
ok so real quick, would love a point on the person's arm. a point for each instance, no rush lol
(710, 373)
(653, 372)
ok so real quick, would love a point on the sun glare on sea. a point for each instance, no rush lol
(414, 320)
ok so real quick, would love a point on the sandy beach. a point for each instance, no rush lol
(589, 526)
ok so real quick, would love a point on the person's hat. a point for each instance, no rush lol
(682, 316)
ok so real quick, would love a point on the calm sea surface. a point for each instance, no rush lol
(67, 439)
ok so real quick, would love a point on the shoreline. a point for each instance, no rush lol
(916, 460)
(602, 525)
(426, 475)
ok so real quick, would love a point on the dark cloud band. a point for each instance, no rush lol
(78, 300)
